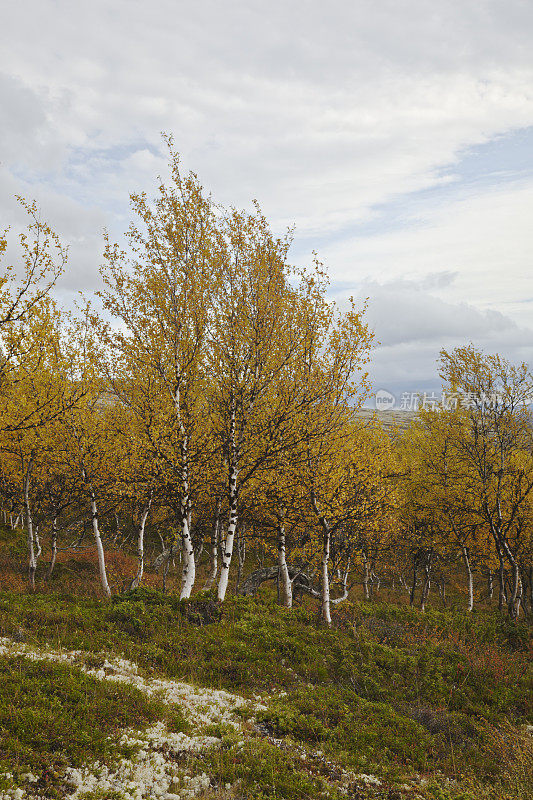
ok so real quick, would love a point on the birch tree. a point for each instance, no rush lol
(259, 333)
(37, 393)
(160, 294)
(494, 445)
(24, 289)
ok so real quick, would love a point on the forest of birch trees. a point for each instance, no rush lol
(202, 414)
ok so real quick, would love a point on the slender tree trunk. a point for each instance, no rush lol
(490, 585)
(166, 568)
(230, 536)
(374, 581)
(38, 549)
(117, 528)
(54, 549)
(442, 590)
(233, 508)
(283, 571)
(32, 555)
(427, 582)
(524, 590)
(470, 579)
(188, 574)
(366, 575)
(413, 585)
(502, 594)
(215, 536)
(96, 533)
(198, 550)
(99, 545)
(325, 607)
(241, 556)
(516, 591)
(140, 545)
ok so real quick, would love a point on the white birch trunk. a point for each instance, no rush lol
(32, 556)
(490, 585)
(99, 545)
(285, 581)
(215, 536)
(140, 545)
(325, 607)
(366, 576)
(470, 578)
(230, 536)
(38, 549)
(188, 573)
(96, 534)
(233, 514)
(515, 598)
(54, 549)
(427, 583)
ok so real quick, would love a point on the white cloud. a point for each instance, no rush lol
(324, 112)
(485, 241)
(412, 324)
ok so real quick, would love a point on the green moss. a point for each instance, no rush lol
(260, 770)
(53, 716)
(389, 690)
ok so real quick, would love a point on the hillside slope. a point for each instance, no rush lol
(390, 703)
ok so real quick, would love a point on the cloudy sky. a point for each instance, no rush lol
(395, 134)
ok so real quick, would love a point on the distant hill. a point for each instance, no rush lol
(391, 420)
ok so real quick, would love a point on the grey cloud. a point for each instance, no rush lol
(322, 111)
(412, 326)
(23, 116)
(402, 312)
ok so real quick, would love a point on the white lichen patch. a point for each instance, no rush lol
(156, 769)
(152, 772)
(368, 780)
(201, 706)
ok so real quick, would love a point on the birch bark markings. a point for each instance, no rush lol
(53, 543)
(189, 565)
(470, 577)
(96, 533)
(233, 500)
(32, 552)
(325, 599)
(284, 577)
(140, 544)
(213, 550)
